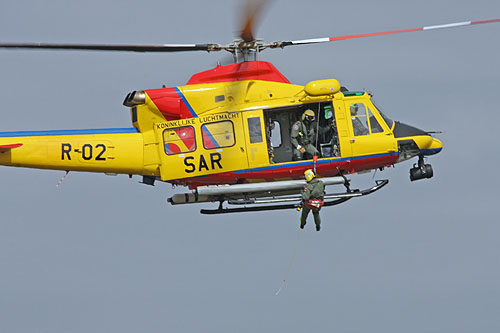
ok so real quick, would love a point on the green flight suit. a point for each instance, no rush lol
(315, 189)
(305, 137)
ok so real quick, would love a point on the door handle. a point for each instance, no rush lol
(242, 149)
(352, 140)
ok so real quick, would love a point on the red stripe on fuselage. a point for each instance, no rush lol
(293, 170)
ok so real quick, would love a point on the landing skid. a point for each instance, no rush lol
(330, 200)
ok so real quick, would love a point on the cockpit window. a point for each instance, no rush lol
(374, 125)
(359, 121)
(387, 120)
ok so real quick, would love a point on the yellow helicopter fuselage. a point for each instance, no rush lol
(224, 131)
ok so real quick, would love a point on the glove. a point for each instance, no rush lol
(302, 150)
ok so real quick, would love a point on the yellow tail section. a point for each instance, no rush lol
(99, 150)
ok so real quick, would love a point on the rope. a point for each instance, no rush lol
(317, 137)
(317, 124)
(290, 264)
(62, 179)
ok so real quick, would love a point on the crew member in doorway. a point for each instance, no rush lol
(328, 135)
(303, 137)
(312, 199)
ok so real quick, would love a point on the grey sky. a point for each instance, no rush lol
(105, 254)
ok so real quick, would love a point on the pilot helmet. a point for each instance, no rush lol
(354, 109)
(308, 115)
(309, 175)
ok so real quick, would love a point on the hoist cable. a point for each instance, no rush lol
(290, 264)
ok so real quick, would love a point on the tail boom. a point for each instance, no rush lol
(103, 150)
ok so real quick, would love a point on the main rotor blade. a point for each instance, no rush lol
(107, 47)
(333, 39)
(251, 13)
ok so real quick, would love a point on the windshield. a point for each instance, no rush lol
(387, 120)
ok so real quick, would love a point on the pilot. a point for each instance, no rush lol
(357, 125)
(312, 199)
(303, 136)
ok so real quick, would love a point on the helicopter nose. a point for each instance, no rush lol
(425, 142)
(435, 147)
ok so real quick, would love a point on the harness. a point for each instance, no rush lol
(305, 135)
(314, 204)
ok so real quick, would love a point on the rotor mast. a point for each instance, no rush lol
(244, 51)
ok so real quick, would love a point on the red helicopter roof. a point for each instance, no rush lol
(174, 105)
(250, 70)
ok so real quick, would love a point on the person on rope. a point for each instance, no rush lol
(312, 199)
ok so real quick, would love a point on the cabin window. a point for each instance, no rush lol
(218, 135)
(255, 130)
(374, 125)
(179, 140)
(359, 120)
(275, 134)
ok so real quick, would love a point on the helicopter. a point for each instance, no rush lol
(226, 133)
